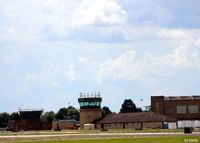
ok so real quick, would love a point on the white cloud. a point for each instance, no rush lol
(180, 55)
(43, 75)
(155, 33)
(197, 42)
(78, 13)
(32, 20)
(128, 66)
(71, 72)
(98, 12)
(172, 33)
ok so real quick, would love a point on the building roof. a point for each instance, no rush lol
(134, 117)
(194, 97)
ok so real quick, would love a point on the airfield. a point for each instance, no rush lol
(90, 136)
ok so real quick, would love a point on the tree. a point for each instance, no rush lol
(73, 113)
(139, 110)
(69, 113)
(48, 116)
(15, 116)
(105, 111)
(4, 117)
(129, 106)
(62, 113)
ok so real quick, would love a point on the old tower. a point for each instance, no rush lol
(90, 107)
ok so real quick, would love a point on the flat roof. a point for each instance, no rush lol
(194, 97)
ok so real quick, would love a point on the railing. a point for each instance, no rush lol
(90, 95)
(32, 109)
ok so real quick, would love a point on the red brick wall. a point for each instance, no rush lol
(157, 104)
(153, 125)
(89, 115)
(131, 125)
(169, 107)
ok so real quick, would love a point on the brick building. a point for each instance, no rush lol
(137, 120)
(165, 111)
(90, 112)
(179, 107)
(65, 124)
(30, 120)
(90, 107)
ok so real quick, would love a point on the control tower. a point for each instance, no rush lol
(90, 107)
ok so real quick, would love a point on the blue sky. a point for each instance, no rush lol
(51, 50)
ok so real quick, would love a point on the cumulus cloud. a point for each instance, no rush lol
(119, 68)
(98, 12)
(173, 33)
(127, 66)
(56, 19)
(71, 72)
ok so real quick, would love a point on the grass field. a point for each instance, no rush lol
(97, 136)
(131, 140)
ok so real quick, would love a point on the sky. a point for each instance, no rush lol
(53, 50)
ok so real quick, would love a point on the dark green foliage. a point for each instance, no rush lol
(15, 116)
(48, 116)
(70, 113)
(129, 106)
(105, 111)
(4, 117)
(73, 113)
(139, 110)
(62, 113)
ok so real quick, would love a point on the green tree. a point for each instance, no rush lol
(4, 117)
(129, 106)
(105, 111)
(68, 113)
(73, 113)
(48, 116)
(15, 116)
(62, 113)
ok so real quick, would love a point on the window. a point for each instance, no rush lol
(193, 109)
(82, 104)
(181, 109)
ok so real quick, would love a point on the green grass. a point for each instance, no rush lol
(131, 140)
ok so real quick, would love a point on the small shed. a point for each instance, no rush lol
(172, 125)
(88, 126)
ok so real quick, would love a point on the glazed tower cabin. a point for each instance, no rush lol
(90, 107)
